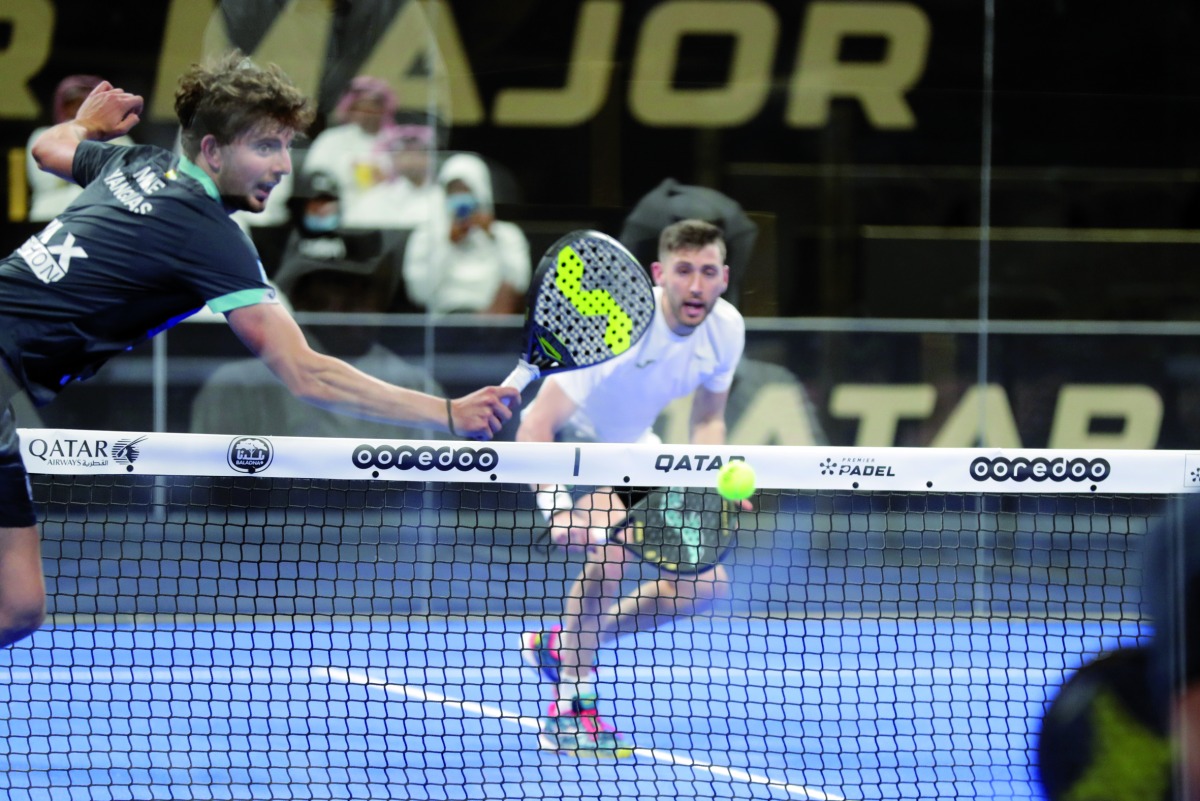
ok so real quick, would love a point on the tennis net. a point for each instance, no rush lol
(285, 618)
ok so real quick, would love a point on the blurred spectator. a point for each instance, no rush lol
(408, 196)
(50, 194)
(463, 259)
(353, 149)
(316, 217)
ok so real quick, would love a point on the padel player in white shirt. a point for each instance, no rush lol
(693, 345)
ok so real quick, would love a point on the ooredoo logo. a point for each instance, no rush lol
(250, 454)
(1039, 469)
(425, 457)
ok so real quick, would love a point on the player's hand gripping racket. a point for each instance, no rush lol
(680, 529)
(589, 301)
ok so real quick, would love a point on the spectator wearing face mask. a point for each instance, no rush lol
(464, 259)
(315, 209)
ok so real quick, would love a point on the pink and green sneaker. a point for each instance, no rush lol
(578, 730)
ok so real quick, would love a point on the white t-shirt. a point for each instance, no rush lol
(444, 276)
(348, 153)
(620, 399)
(398, 203)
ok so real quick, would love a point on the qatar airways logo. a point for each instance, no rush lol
(1039, 469)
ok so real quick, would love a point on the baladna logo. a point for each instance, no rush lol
(250, 454)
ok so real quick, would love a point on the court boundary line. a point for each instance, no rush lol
(423, 695)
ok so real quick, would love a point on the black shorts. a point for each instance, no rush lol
(16, 497)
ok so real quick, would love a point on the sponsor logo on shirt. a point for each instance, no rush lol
(49, 253)
(134, 198)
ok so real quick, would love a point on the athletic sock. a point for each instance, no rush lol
(570, 689)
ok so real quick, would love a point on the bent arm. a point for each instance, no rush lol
(105, 114)
(708, 417)
(271, 334)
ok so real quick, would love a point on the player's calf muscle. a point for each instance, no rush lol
(18, 623)
(22, 589)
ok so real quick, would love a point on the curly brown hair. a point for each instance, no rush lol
(689, 235)
(232, 95)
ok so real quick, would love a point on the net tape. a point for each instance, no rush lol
(970, 470)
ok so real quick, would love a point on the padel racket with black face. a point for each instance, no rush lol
(589, 301)
(680, 529)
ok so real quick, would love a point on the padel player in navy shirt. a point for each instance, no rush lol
(150, 242)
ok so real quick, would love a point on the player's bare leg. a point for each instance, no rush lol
(661, 600)
(587, 604)
(22, 587)
(573, 723)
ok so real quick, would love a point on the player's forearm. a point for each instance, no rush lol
(337, 386)
(708, 432)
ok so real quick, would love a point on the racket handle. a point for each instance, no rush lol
(522, 376)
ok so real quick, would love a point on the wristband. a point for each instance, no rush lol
(450, 418)
(552, 500)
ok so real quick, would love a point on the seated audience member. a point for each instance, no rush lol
(352, 150)
(50, 194)
(408, 196)
(463, 259)
(316, 219)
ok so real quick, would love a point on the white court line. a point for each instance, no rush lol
(490, 711)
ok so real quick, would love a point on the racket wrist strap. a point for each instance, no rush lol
(553, 499)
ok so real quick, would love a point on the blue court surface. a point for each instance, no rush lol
(443, 708)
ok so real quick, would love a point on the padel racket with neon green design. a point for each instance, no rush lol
(589, 301)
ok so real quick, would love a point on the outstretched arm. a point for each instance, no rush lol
(271, 334)
(105, 114)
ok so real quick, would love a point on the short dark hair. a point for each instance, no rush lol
(690, 235)
(231, 95)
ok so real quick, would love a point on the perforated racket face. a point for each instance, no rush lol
(590, 301)
(684, 530)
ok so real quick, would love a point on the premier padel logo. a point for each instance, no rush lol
(49, 254)
(250, 454)
(424, 457)
(855, 466)
(1039, 469)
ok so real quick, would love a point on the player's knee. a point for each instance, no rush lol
(605, 562)
(20, 619)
